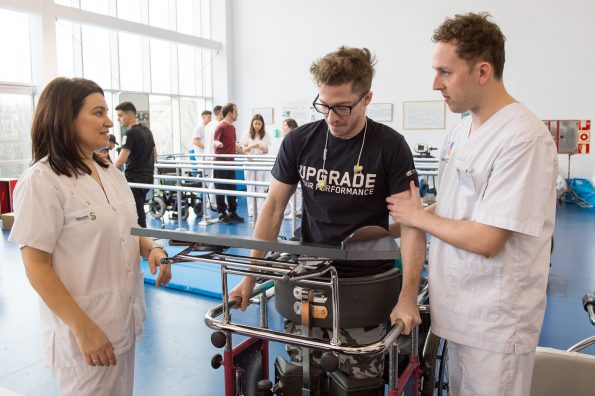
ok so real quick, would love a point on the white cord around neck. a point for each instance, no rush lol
(357, 168)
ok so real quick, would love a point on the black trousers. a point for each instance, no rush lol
(139, 198)
(232, 205)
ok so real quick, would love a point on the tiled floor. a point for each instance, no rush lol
(174, 356)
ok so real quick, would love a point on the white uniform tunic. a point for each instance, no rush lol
(199, 133)
(504, 176)
(260, 176)
(93, 253)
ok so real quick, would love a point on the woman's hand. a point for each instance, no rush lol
(94, 345)
(154, 262)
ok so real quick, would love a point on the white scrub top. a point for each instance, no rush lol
(504, 176)
(210, 136)
(199, 132)
(248, 141)
(87, 233)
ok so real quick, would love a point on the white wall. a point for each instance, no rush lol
(550, 58)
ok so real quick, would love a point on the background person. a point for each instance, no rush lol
(198, 134)
(225, 143)
(346, 164)
(492, 225)
(76, 245)
(139, 154)
(287, 126)
(210, 149)
(111, 145)
(255, 141)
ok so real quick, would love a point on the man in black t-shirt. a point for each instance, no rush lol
(347, 166)
(139, 154)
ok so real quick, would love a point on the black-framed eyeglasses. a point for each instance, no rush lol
(340, 110)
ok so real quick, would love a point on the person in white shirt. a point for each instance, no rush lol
(288, 125)
(198, 134)
(209, 148)
(73, 217)
(255, 141)
(492, 225)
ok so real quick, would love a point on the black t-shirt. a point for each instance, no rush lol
(140, 164)
(348, 200)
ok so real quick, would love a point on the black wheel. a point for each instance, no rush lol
(434, 379)
(157, 207)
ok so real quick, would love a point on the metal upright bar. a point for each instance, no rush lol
(179, 200)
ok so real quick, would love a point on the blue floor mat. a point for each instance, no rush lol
(203, 278)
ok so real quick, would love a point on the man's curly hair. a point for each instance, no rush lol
(345, 65)
(477, 39)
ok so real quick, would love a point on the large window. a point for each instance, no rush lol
(16, 111)
(96, 56)
(190, 110)
(131, 62)
(15, 42)
(160, 116)
(16, 93)
(177, 77)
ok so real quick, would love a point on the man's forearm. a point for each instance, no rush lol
(267, 225)
(464, 234)
(413, 253)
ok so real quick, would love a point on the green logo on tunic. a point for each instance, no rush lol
(92, 214)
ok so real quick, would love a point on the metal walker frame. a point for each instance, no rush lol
(369, 243)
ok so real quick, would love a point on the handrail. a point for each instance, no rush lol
(197, 189)
(294, 339)
(213, 180)
(201, 166)
(263, 156)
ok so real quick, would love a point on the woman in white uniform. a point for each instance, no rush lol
(255, 141)
(73, 216)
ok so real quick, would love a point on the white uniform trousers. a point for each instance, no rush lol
(255, 176)
(477, 372)
(87, 380)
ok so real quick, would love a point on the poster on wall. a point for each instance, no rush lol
(298, 110)
(381, 112)
(429, 114)
(266, 113)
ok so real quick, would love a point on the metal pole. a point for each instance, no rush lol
(335, 302)
(254, 209)
(293, 211)
(179, 201)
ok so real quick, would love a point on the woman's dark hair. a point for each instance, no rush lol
(291, 123)
(53, 132)
(253, 131)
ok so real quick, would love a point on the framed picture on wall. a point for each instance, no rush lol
(381, 112)
(429, 114)
(266, 113)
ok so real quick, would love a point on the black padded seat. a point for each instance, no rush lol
(363, 302)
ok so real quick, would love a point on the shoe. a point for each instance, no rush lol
(235, 218)
(224, 218)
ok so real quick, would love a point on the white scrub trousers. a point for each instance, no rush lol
(87, 380)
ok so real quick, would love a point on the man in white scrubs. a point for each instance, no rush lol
(209, 148)
(198, 134)
(492, 225)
